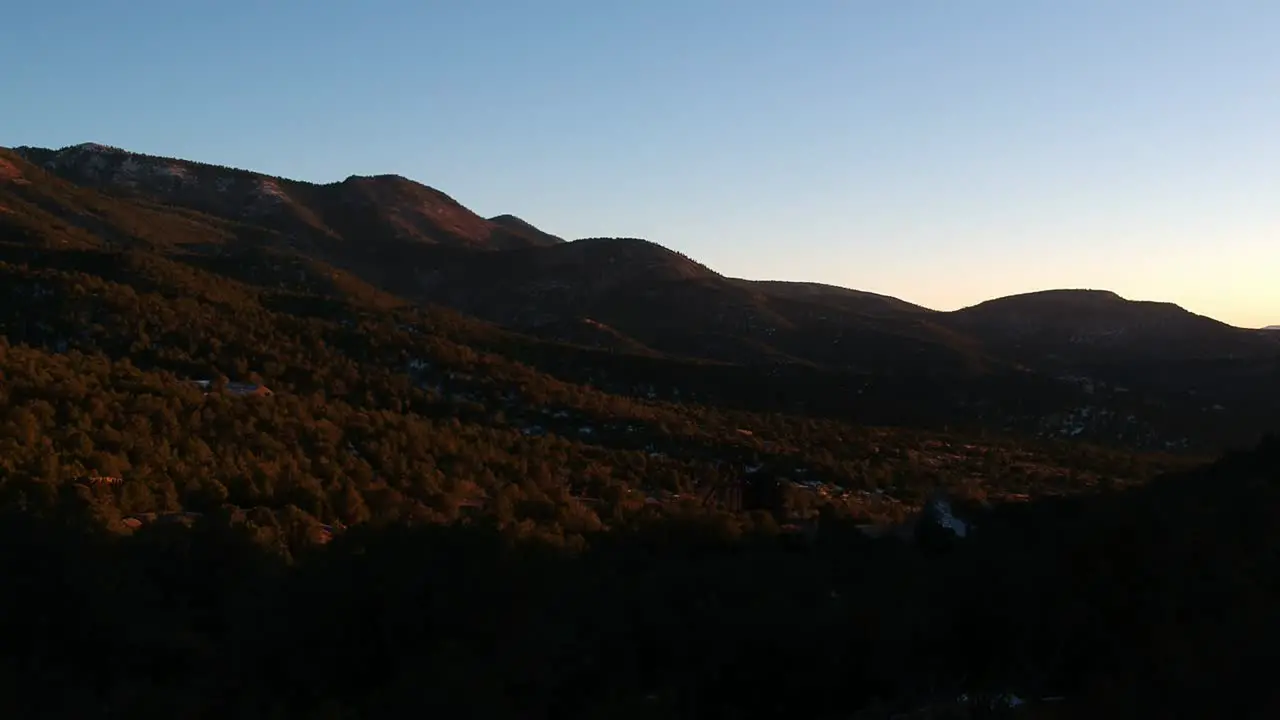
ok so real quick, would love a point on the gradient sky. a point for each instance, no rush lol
(941, 151)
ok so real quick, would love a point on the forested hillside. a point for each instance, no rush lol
(1078, 364)
(238, 479)
(399, 412)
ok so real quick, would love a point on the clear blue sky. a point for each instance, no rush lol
(941, 151)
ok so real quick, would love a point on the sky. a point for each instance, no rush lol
(938, 151)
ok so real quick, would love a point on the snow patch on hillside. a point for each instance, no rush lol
(270, 190)
(175, 173)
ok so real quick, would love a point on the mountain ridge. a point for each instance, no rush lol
(375, 208)
(66, 158)
(407, 211)
(385, 241)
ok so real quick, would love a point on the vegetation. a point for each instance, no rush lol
(1153, 600)
(428, 513)
(386, 411)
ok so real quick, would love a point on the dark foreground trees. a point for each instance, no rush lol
(1160, 600)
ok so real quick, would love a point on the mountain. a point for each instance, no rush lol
(377, 210)
(672, 305)
(625, 312)
(1272, 327)
(606, 292)
(1073, 326)
(130, 330)
(231, 443)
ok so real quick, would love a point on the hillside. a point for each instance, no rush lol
(374, 210)
(111, 325)
(257, 466)
(674, 306)
(1090, 326)
(1077, 364)
(854, 300)
(1083, 607)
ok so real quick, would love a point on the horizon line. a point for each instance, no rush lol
(115, 148)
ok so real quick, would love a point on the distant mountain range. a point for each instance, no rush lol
(391, 237)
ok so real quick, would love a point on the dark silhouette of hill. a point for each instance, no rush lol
(1073, 326)
(855, 300)
(364, 209)
(1103, 367)
(673, 305)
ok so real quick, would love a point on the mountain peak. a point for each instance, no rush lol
(95, 147)
(526, 229)
(1061, 295)
(380, 178)
(387, 206)
(1099, 323)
